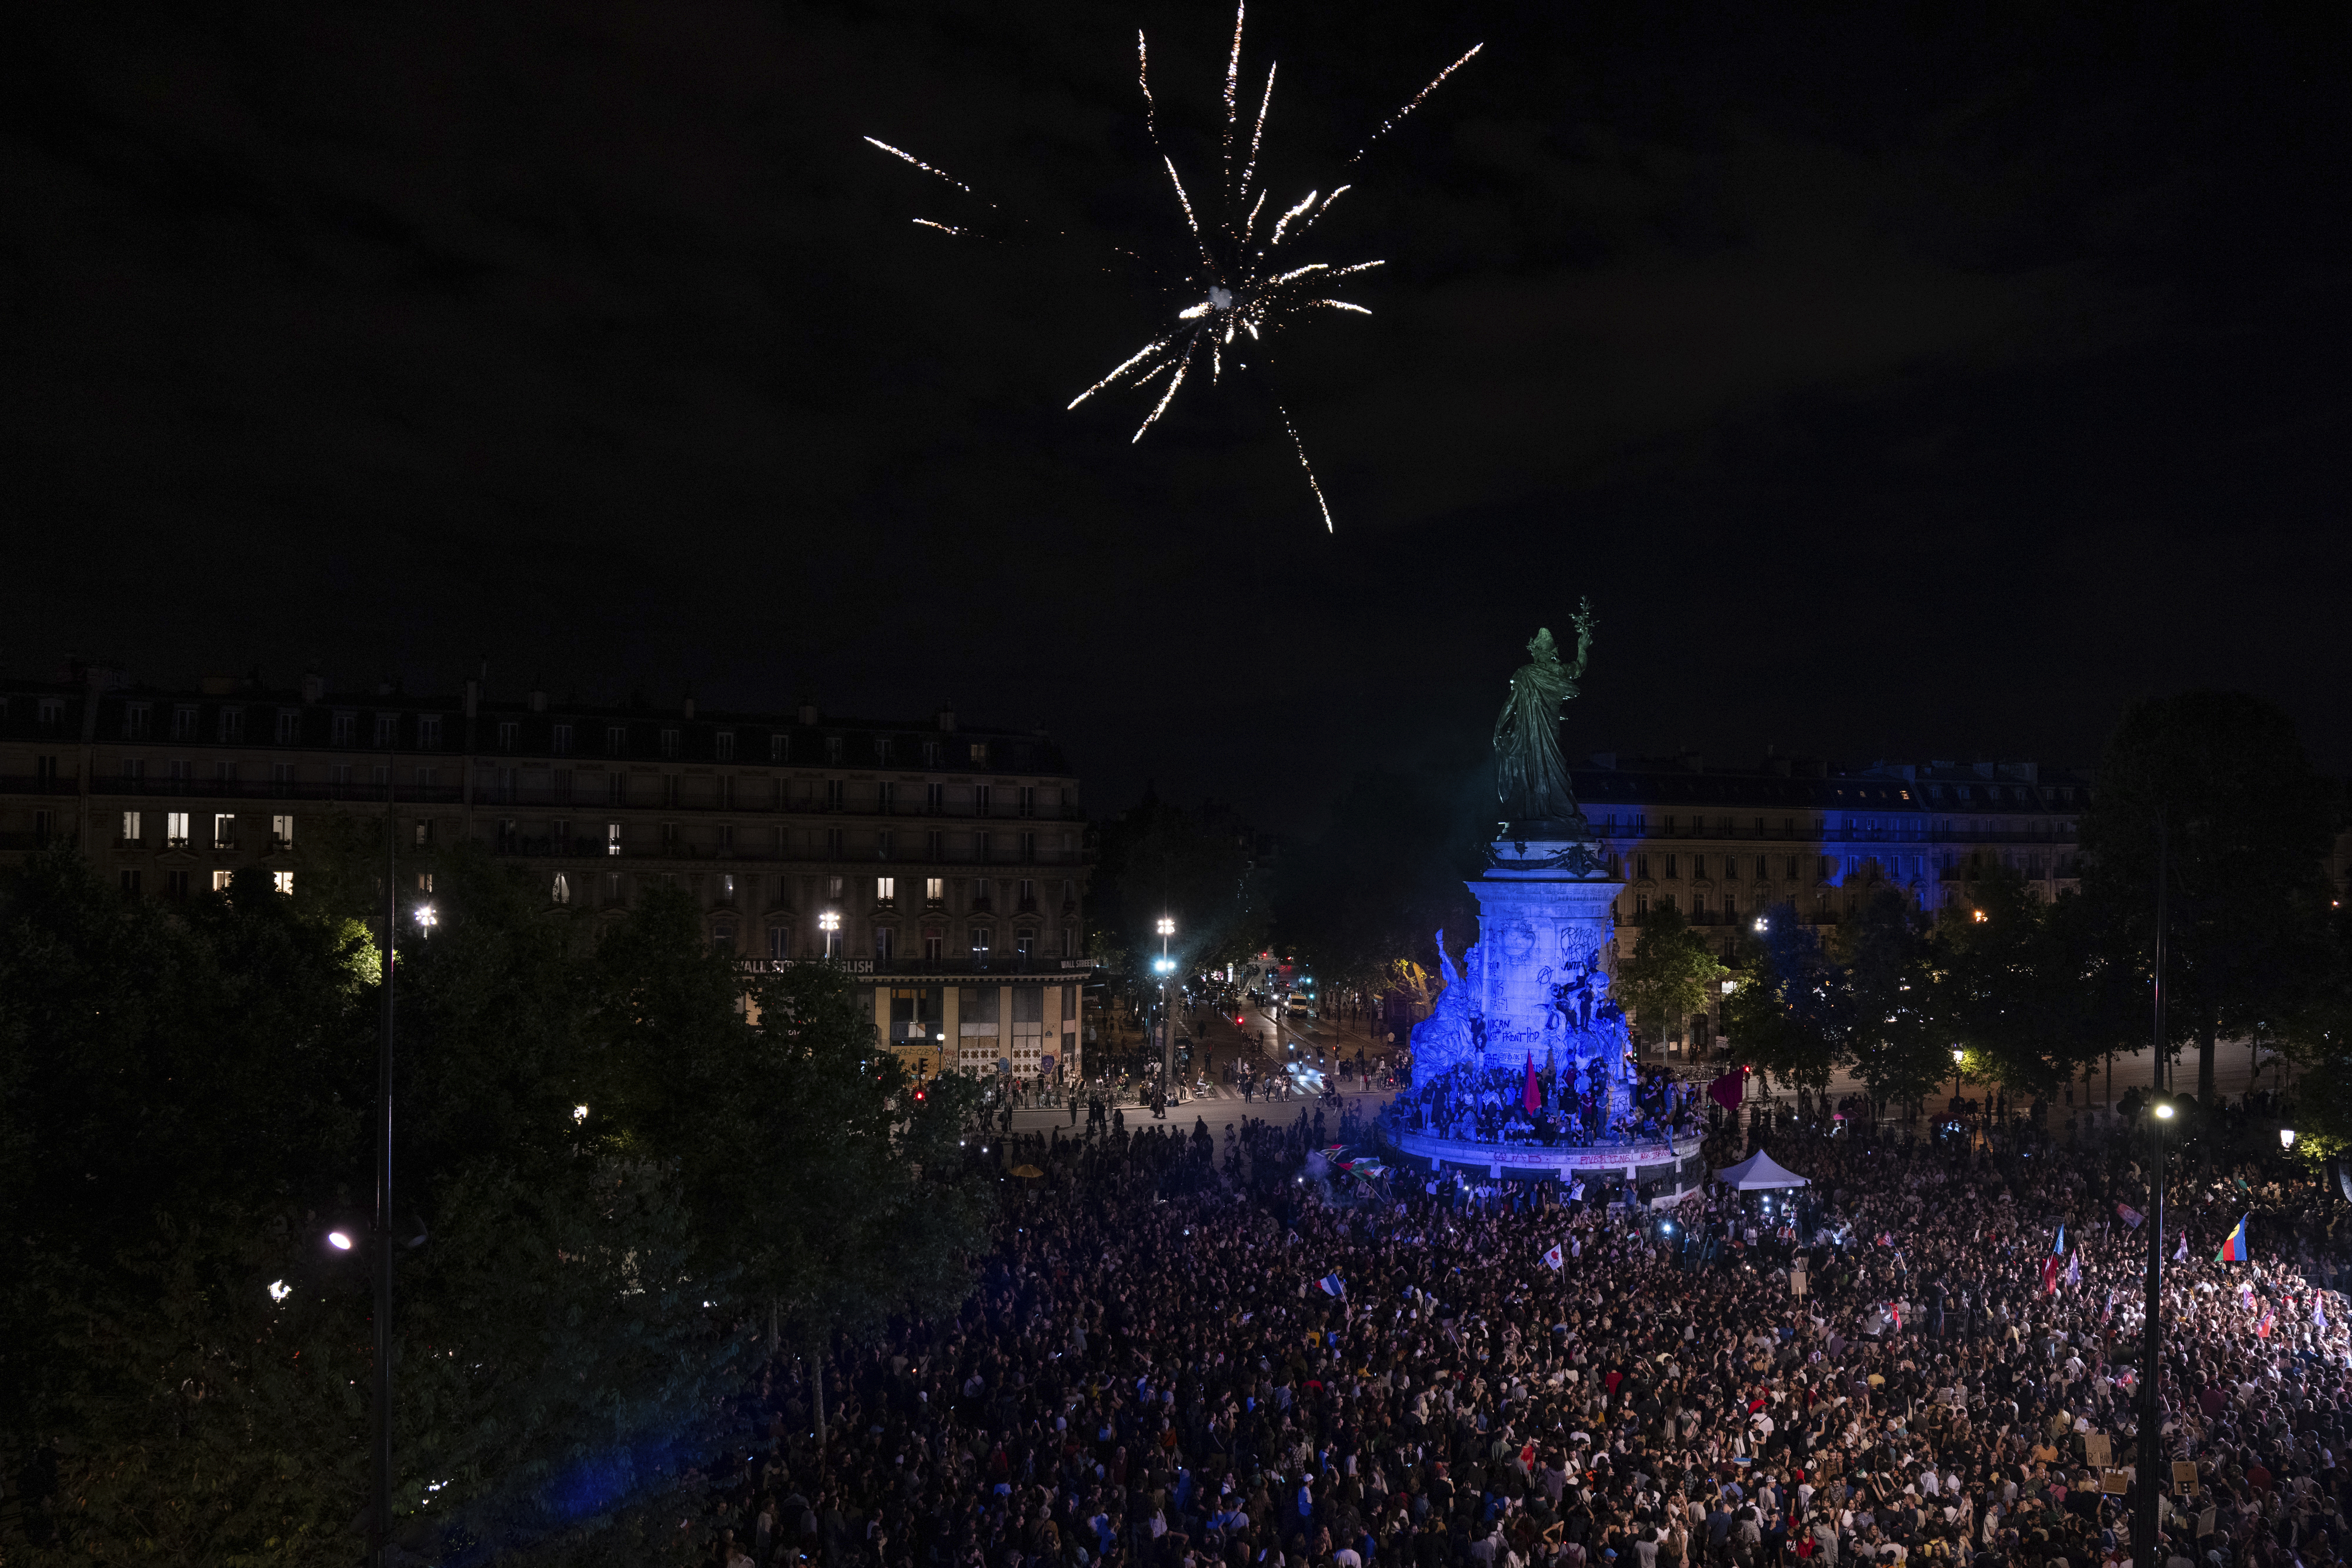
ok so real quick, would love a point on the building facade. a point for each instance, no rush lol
(1722, 844)
(945, 866)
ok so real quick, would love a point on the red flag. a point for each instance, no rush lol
(2049, 1274)
(1531, 1097)
(1729, 1090)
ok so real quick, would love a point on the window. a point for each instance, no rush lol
(726, 887)
(221, 880)
(934, 945)
(980, 752)
(616, 739)
(1028, 849)
(930, 754)
(981, 843)
(935, 799)
(507, 730)
(935, 891)
(833, 749)
(134, 721)
(835, 843)
(883, 842)
(723, 746)
(128, 878)
(1028, 893)
(1698, 903)
(1070, 949)
(980, 939)
(282, 774)
(611, 838)
(722, 937)
(175, 830)
(1672, 871)
(935, 845)
(779, 944)
(561, 741)
(669, 838)
(428, 731)
(885, 798)
(183, 722)
(1669, 900)
(283, 881)
(832, 938)
(229, 725)
(52, 712)
(834, 797)
(1825, 868)
(779, 749)
(1794, 862)
(281, 833)
(175, 883)
(616, 789)
(834, 886)
(388, 730)
(1698, 866)
(290, 725)
(669, 743)
(224, 829)
(131, 827)
(726, 838)
(424, 835)
(1025, 946)
(886, 889)
(882, 749)
(1025, 800)
(1640, 906)
(885, 944)
(561, 892)
(980, 798)
(343, 728)
(1641, 865)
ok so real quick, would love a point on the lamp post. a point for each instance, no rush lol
(2286, 1138)
(1958, 1056)
(1167, 1026)
(830, 924)
(380, 1519)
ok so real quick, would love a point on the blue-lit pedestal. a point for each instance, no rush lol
(1532, 994)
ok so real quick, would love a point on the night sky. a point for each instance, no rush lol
(1895, 380)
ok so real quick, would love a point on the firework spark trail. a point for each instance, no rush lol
(1414, 102)
(1232, 80)
(926, 168)
(1257, 135)
(1247, 289)
(1167, 397)
(1300, 448)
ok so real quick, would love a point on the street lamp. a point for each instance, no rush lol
(1762, 925)
(1958, 1056)
(830, 924)
(1167, 926)
(2286, 1138)
(426, 918)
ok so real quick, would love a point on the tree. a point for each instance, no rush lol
(2220, 780)
(1363, 901)
(1782, 1017)
(1886, 1004)
(1157, 859)
(1670, 975)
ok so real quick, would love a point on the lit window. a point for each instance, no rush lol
(935, 890)
(281, 832)
(886, 889)
(130, 827)
(561, 890)
(611, 838)
(175, 830)
(980, 751)
(221, 879)
(224, 829)
(283, 881)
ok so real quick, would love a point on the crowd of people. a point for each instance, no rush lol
(1184, 1353)
(1490, 1105)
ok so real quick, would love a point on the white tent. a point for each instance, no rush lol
(1758, 1170)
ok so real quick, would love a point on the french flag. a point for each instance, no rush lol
(1332, 1285)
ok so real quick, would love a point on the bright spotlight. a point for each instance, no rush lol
(580, 1112)
(280, 1290)
(339, 1240)
(2164, 1113)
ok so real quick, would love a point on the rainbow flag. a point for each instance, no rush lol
(2233, 1251)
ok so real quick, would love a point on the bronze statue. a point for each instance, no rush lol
(1530, 775)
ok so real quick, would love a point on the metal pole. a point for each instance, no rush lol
(380, 1553)
(2145, 1546)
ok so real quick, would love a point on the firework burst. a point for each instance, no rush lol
(1238, 288)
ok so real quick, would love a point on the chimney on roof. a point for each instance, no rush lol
(539, 702)
(689, 707)
(808, 711)
(314, 686)
(473, 695)
(946, 716)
